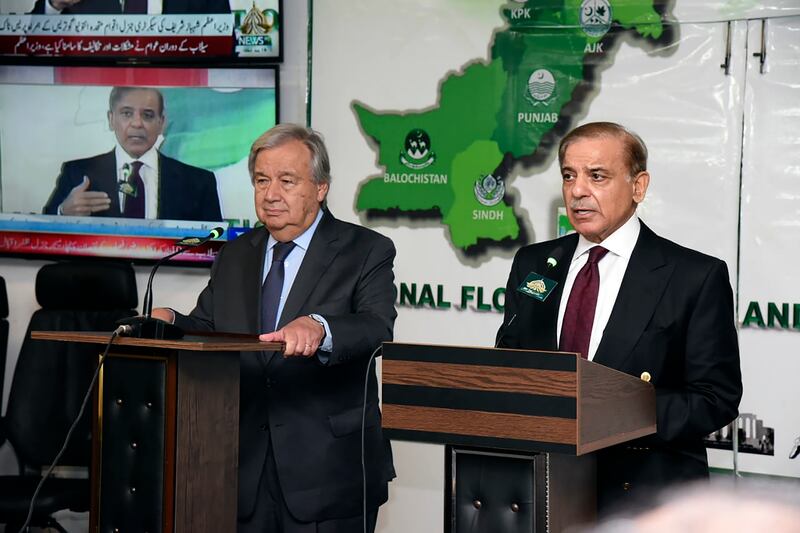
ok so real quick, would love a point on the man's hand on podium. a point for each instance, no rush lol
(302, 337)
(164, 313)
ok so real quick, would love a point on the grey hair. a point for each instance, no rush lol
(635, 149)
(281, 134)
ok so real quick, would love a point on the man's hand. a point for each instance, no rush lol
(82, 202)
(302, 337)
(163, 313)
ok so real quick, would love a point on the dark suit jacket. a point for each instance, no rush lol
(185, 192)
(673, 318)
(169, 7)
(310, 412)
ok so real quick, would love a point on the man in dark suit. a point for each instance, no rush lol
(656, 310)
(102, 185)
(115, 7)
(300, 426)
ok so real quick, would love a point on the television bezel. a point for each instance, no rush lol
(230, 61)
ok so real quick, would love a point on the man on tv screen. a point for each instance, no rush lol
(115, 7)
(134, 180)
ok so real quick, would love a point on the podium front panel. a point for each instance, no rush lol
(133, 431)
(490, 398)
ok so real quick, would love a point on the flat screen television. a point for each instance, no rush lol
(164, 32)
(53, 115)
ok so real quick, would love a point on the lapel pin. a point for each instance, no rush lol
(645, 376)
(551, 262)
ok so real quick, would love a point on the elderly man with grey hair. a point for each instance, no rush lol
(325, 289)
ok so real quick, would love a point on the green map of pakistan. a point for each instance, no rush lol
(448, 162)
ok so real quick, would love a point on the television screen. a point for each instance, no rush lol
(122, 162)
(201, 32)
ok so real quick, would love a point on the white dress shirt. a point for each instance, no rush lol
(148, 172)
(612, 268)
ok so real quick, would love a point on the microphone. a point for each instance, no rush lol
(503, 330)
(147, 327)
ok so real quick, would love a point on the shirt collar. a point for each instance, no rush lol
(304, 239)
(620, 243)
(148, 159)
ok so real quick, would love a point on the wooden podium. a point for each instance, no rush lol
(553, 406)
(165, 436)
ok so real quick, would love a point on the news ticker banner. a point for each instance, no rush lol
(51, 235)
(253, 31)
(454, 158)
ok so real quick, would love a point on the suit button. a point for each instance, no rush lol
(626, 486)
(477, 504)
(262, 427)
(268, 383)
(514, 507)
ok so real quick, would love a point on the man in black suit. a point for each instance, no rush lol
(169, 189)
(115, 7)
(663, 312)
(300, 426)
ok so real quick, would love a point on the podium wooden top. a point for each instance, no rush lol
(205, 342)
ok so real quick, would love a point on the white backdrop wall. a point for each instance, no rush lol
(723, 164)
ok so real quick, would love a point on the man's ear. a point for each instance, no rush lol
(322, 191)
(640, 184)
(108, 116)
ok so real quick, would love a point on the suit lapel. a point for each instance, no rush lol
(549, 311)
(539, 320)
(103, 175)
(252, 274)
(644, 282)
(320, 254)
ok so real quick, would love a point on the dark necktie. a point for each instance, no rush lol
(273, 285)
(134, 6)
(576, 328)
(134, 194)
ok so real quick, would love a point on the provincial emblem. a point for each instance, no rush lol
(489, 190)
(417, 152)
(541, 86)
(595, 17)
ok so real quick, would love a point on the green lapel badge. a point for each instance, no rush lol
(537, 286)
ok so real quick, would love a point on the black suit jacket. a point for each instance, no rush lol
(673, 317)
(310, 412)
(169, 7)
(185, 192)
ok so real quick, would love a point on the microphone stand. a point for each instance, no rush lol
(147, 327)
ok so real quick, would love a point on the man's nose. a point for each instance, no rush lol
(271, 193)
(580, 187)
(137, 120)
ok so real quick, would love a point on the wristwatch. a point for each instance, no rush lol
(318, 319)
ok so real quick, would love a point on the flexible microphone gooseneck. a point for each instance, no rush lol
(147, 327)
